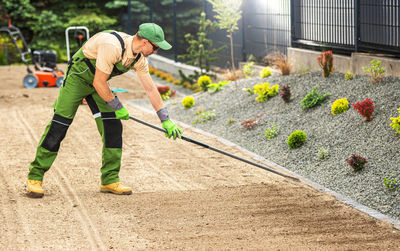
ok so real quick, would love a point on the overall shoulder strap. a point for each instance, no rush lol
(121, 41)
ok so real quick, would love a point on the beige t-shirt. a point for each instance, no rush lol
(106, 49)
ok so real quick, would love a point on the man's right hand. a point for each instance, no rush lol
(122, 113)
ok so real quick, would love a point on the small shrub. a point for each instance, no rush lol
(215, 87)
(313, 98)
(157, 73)
(266, 72)
(164, 91)
(249, 124)
(325, 61)
(230, 121)
(396, 123)
(152, 70)
(375, 70)
(188, 102)
(285, 93)
(296, 139)
(365, 108)
(204, 116)
(339, 106)
(249, 90)
(348, 75)
(248, 70)
(176, 82)
(203, 82)
(263, 90)
(356, 162)
(322, 153)
(280, 61)
(392, 182)
(272, 131)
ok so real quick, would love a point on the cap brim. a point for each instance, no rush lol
(164, 45)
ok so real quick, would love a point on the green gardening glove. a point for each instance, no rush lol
(172, 129)
(122, 113)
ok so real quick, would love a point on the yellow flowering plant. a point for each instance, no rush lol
(396, 123)
(339, 106)
(266, 72)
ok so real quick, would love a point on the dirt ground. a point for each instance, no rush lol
(185, 197)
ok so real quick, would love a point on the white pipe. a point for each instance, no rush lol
(75, 28)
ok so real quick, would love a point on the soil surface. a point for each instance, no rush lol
(185, 196)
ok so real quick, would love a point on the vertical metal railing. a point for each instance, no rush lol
(349, 25)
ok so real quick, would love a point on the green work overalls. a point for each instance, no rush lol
(78, 85)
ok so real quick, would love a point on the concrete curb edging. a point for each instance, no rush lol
(348, 201)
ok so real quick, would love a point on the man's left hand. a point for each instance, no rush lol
(172, 129)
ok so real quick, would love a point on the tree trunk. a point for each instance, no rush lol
(232, 57)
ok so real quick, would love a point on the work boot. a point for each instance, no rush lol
(35, 189)
(115, 188)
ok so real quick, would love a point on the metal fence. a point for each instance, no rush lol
(344, 26)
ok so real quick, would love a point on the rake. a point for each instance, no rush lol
(217, 150)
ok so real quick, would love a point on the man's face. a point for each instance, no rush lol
(150, 48)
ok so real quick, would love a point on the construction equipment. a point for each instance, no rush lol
(46, 73)
(218, 150)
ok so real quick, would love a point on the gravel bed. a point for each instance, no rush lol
(342, 135)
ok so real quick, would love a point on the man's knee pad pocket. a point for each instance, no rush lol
(112, 130)
(58, 129)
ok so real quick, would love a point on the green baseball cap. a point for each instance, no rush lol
(155, 34)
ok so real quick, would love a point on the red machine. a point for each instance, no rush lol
(46, 73)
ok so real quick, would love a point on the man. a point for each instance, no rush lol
(103, 56)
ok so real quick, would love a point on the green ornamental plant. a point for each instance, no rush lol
(204, 81)
(391, 182)
(375, 70)
(296, 139)
(272, 131)
(266, 72)
(322, 153)
(230, 121)
(228, 14)
(339, 106)
(199, 52)
(248, 69)
(215, 87)
(188, 102)
(396, 123)
(313, 98)
(348, 75)
(204, 116)
(263, 90)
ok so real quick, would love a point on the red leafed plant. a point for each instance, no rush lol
(325, 60)
(251, 123)
(162, 89)
(285, 93)
(356, 162)
(365, 108)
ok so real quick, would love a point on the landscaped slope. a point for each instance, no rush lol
(342, 134)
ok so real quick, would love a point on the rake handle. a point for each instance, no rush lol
(216, 150)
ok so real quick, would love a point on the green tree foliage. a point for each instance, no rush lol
(43, 22)
(198, 53)
(228, 15)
